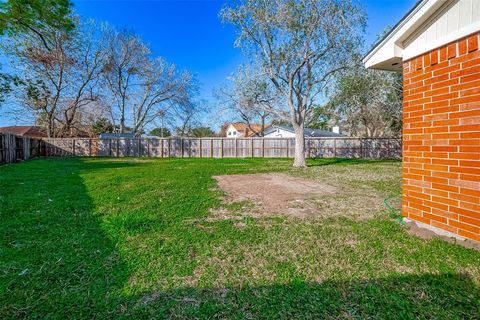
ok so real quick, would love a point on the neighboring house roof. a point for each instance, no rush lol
(26, 131)
(117, 135)
(247, 130)
(309, 132)
(430, 24)
(150, 136)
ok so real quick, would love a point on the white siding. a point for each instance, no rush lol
(232, 132)
(280, 133)
(456, 18)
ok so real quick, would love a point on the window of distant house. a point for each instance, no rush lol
(229, 133)
(234, 133)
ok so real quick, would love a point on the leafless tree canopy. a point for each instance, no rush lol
(251, 96)
(146, 87)
(61, 80)
(300, 46)
(94, 72)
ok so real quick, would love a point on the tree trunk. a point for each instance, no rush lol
(299, 160)
(262, 129)
(122, 124)
(50, 130)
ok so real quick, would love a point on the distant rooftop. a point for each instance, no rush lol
(26, 131)
(309, 132)
(116, 135)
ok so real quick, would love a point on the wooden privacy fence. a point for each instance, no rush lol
(14, 148)
(378, 148)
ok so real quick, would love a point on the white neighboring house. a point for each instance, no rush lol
(276, 131)
(232, 132)
(279, 132)
(242, 130)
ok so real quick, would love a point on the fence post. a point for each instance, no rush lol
(221, 146)
(25, 148)
(251, 145)
(181, 147)
(388, 148)
(361, 148)
(211, 148)
(236, 148)
(148, 148)
(263, 147)
(25, 144)
(334, 147)
(201, 151)
(308, 147)
(73, 147)
(89, 147)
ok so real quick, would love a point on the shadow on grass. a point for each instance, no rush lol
(96, 163)
(443, 296)
(55, 259)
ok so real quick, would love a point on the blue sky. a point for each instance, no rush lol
(190, 34)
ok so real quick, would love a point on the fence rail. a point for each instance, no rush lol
(378, 148)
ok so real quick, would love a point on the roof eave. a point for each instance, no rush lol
(387, 54)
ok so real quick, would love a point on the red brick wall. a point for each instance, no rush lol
(441, 138)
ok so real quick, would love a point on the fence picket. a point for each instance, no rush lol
(13, 148)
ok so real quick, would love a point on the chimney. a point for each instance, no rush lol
(336, 129)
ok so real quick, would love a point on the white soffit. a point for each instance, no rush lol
(429, 25)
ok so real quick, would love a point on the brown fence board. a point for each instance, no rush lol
(379, 148)
(14, 148)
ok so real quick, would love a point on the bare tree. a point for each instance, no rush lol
(44, 72)
(250, 96)
(84, 78)
(161, 88)
(127, 59)
(300, 46)
(58, 81)
(187, 117)
(147, 88)
(92, 118)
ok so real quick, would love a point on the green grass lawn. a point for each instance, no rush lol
(134, 238)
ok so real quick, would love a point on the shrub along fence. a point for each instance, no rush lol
(224, 147)
(378, 148)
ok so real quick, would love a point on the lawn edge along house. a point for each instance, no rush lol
(436, 46)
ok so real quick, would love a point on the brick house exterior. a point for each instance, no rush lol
(441, 138)
(441, 118)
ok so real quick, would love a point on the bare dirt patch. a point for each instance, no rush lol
(275, 193)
